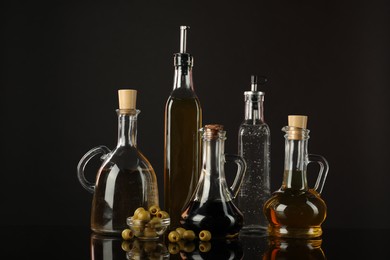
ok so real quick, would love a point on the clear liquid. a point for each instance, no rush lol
(182, 144)
(120, 189)
(254, 147)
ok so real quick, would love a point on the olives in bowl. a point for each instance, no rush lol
(148, 224)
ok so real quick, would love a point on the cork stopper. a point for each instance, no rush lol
(296, 129)
(212, 131)
(127, 99)
(297, 121)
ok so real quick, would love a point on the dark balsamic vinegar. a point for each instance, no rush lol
(222, 219)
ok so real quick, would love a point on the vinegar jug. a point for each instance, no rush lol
(211, 206)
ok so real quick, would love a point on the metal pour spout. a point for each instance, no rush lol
(183, 38)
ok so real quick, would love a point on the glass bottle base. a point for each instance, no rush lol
(288, 232)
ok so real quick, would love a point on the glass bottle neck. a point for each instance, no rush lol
(212, 151)
(127, 127)
(183, 77)
(254, 110)
(295, 164)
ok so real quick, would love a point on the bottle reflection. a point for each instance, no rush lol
(291, 249)
(106, 248)
(220, 249)
(254, 245)
(115, 248)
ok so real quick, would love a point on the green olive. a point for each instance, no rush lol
(150, 232)
(127, 234)
(138, 210)
(204, 246)
(162, 214)
(155, 222)
(173, 248)
(181, 231)
(204, 235)
(154, 209)
(189, 247)
(126, 246)
(143, 215)
(189, 235)
(173, 236)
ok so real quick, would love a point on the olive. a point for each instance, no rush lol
(154, 209)
(173, 248)
(150, 232)
(204, 246)
(189, 247)
(138, 210)
(181, 231)
(126, 246)
(155, 222)
(162, 214)
(127, 234)
(189, 235)
(143, 215)
(204, 235)
(173, 236)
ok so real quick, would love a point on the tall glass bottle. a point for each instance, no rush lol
(295, 210)
(254, 140)
(126, 180)
(183, 119)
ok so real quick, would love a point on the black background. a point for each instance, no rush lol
(64, 61)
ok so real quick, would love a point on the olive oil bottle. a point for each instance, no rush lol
(183, 119)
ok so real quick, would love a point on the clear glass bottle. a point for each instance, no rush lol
(211, 206)
(183, 118)
(254, 145)
(126, 180)
(295, 210)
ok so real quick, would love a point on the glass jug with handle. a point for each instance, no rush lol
(211, 206)
(295, 210)
(126, 180)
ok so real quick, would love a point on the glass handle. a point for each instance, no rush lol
(324, 168)
(241, 169)
(89, 186)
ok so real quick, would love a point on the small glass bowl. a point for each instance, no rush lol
(148, 230)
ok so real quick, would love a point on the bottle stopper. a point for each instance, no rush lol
(127, 99)
(212, 131)
(299, 121)
(297, 127)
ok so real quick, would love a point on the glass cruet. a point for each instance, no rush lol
(211, 206)
(295, 210)
(254, 145)
(125, 180)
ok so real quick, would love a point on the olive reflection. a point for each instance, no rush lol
(115, 248)
(302, 249)
(214, 249)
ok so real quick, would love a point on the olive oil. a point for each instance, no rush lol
(183, 119)
(181, 172)
(295, 210)
(295, 213)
